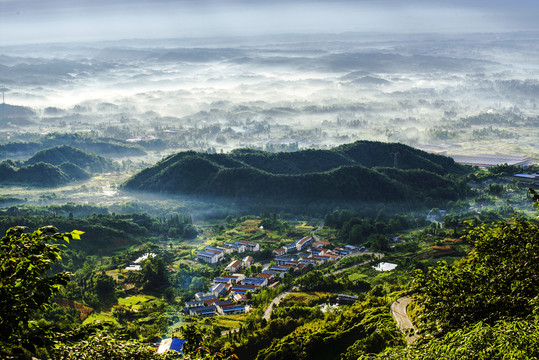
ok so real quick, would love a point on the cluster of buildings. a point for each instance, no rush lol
(316, 256)
(214, 254)
(235, 286)
(298, 246)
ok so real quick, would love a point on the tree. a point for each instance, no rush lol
(193, 336)
(25, 285)
(498, 280)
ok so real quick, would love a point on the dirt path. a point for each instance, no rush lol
(398, 311)
(376, 256)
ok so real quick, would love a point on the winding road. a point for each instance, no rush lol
(398, 311)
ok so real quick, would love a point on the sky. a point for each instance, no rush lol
(43, 21)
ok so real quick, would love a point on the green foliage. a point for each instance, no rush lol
(344, 173)
(25, 285)
(361, 328)
(68, 154)
(107, 347)
(503, 340)
(298, 312)
(39, 174)
(104, 231)
(498, 280)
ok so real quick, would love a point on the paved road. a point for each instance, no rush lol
(398, 311)
(315, 237)
(276, 301)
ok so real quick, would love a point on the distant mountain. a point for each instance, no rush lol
(39, 174)
(16, 116)
(354, 172)
(67, 154)
(98, 145)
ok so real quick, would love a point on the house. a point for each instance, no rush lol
(324, 258)
(292, 263)
(226, 249)
(133, 268)
(239, 248)
(193, 310)
(234, 266)
(193, 304)
(209, 257)
(291, 248)
(531, 179)
(342, 252)
(303, 243)
(171, 344)
(202, 297)
(249, 246)
(279, 251)
(210, 302)
(269, 277)
(273, 273)
(239, 298)
(239, 277)
(232, 309)
(256, 281)
(320, 244)
(203, 311)
(346, 299)
(242, 289)
(224, 302)
(217, 289)
(354, 248)
(247, 261)
(280, 268)
(281, 260)
(223, 280)
(311, 260)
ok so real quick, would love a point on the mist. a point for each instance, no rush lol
(31, 21)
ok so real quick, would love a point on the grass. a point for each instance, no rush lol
(136, 302)
(230, 321)
(99, 317)
(304, 298)
(357, 276)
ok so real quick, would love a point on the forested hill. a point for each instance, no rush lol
(353, 172)
(67, 154)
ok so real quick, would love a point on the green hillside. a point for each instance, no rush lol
(39, 174)
(68, 154)
(353, 172)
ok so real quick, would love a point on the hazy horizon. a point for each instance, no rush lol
(32, 21)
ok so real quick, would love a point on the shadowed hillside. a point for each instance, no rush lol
(353, 172)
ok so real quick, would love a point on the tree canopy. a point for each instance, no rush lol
(498, 280)
(25, 285)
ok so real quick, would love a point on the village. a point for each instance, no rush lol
(229, 294)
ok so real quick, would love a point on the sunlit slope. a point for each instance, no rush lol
(358, 171)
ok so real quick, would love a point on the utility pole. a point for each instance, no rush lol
(395, 159)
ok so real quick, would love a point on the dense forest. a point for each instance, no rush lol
(354, 172)
(482, 306)
(54, 166)
(86, 141)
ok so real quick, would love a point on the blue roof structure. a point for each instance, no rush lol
(177, 345)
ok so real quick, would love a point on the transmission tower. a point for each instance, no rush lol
(395, 159)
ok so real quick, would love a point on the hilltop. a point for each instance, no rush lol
(58, 155)
(361, 171)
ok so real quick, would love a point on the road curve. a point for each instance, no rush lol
(398, 311)
(276, 301)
